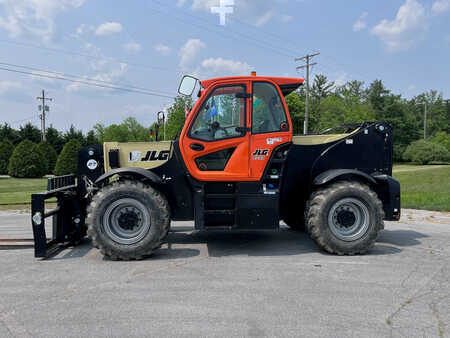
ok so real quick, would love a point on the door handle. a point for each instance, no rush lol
(197, 146)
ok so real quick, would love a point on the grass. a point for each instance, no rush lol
(424, 187)
(19, 190)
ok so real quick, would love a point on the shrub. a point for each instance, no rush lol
(6, 150)
(26, 161)
(50, 156)
(67, 160)
(424, 152)
(399, 150)
(443, 139)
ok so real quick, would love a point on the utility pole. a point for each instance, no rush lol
(307, 66)
(425, 121)
(44, 108)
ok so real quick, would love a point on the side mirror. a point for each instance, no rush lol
(187, 85)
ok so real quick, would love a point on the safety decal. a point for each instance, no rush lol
(273, 140)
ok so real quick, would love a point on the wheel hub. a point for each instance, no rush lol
(345, 217)
(126, 221)
(349, 219)
(129, 219)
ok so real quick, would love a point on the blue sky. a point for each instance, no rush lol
(150, 43)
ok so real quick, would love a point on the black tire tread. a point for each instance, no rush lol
(142, 252)
(315, 205)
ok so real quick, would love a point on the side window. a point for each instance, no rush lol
(222, 115)
(268, 113)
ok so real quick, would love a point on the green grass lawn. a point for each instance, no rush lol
(424, 187)
(19, 190)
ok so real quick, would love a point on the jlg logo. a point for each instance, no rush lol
(261, 152)
(154, 156)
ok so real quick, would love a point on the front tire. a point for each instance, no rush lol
(128, 220)
(345, 218)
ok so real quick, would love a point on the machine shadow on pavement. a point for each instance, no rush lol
(284, 242)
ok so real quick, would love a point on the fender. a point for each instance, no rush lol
(136, 172)
(330, 175)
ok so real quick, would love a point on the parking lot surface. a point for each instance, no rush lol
(232, 284)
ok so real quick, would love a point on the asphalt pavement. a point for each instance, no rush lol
(223, 284)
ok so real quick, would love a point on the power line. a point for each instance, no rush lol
(307, 57)
(25, 119)
(82, 78)
(259, 43)
(86, 83)
(63, 51)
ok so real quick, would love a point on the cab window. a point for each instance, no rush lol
(221, 116)
(268, 113)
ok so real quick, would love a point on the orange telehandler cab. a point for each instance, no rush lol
(235, 165)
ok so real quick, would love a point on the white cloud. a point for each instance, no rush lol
(220, 66)
(33, 18)
(360, 24)
(108, 28)
(112, 75)
(83, 29)
(263, 19)
(258, 13)
(6, 86)
(340, 79)
(286, 18)
(163, 49)
(132, 47)
(440, 6)
(189, 52)
(408, 27)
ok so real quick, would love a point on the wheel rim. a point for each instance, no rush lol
(349, 219)
(126, 221)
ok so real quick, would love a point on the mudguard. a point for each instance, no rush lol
(135, 172)
(330, 175)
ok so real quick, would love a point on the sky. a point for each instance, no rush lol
(147, 46)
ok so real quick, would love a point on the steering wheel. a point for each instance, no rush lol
(215, 126)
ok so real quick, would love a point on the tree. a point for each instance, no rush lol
(177, 116)
(74, 134)
(424, 152)
(6, 150)
(99, 132)
(67, 162)
(26, 161)
(442, 138)
(54, 138)
(297, 110)
(49, 155)
(9, 134)
(91, 138)
(30, 132)
(376, 94)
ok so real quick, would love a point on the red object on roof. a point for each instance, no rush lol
(281, 81)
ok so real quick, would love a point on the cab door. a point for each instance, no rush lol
(270, 127)
(215, 142)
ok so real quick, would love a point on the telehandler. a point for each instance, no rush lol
(236, 165)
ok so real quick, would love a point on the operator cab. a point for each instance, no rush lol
(234, 144)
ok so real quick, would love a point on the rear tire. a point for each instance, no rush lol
(128, 220)
(345, 218)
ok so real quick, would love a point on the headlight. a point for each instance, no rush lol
(37, 218)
